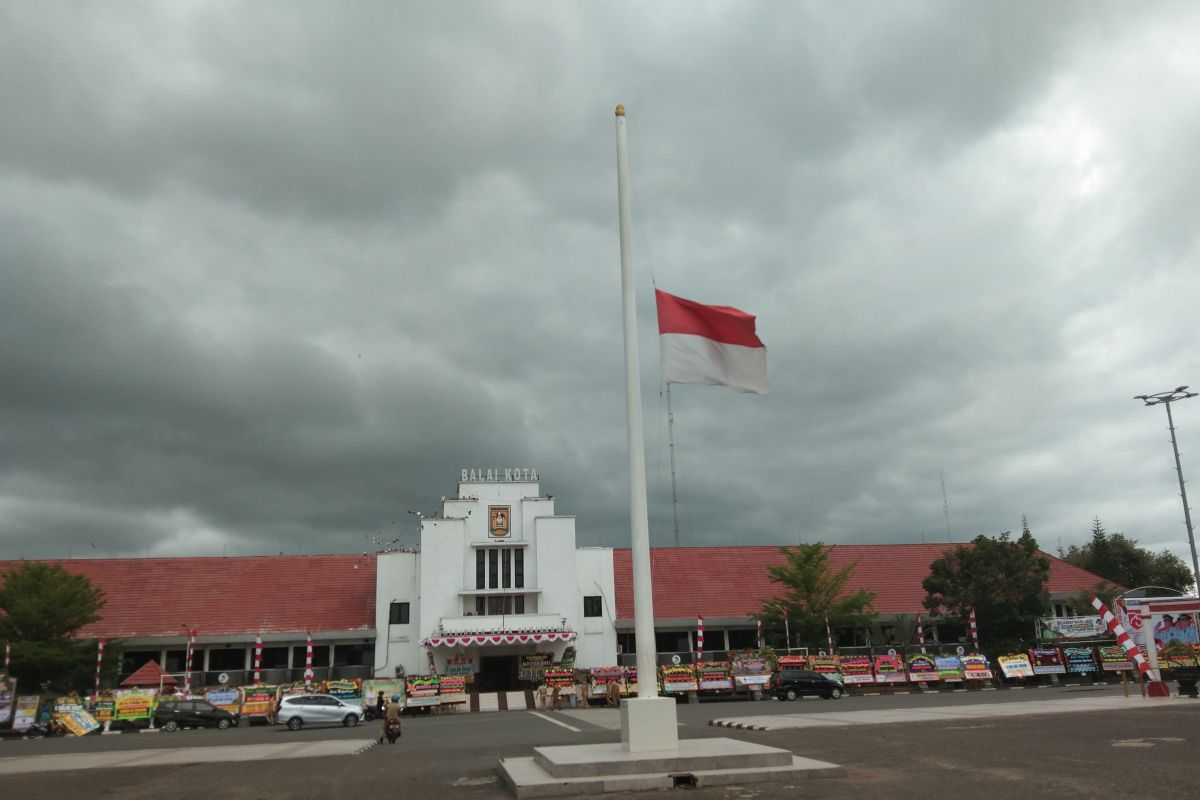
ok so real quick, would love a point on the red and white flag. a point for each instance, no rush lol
(710, 344)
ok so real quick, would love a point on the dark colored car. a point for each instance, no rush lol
(788, 684)
(175, 714)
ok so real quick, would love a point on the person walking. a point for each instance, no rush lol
(581, 691)
(542, 693)
(554, 698)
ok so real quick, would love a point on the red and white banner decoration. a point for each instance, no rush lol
(308, 670)
(187, 667)
(498, 638)
(257, 659)
(974, 629)
(710, 344)
(99, 659)
(921, 634)
(1118, 630)
(829, 636)
(700, 636)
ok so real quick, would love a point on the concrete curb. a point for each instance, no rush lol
(741, 726)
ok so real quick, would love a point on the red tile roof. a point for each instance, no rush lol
(223, 596)
(149, 674)
(733, 581)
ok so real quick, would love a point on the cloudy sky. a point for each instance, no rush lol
(273, 273)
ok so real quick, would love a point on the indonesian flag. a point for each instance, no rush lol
(710, 344)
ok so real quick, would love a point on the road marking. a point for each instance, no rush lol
(555, 721)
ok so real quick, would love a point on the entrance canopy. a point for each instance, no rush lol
(499, 638)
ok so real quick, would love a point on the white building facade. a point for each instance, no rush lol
(498, 577)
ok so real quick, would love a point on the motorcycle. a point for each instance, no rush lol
(393, 730)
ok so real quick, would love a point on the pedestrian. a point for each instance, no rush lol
(581, 691)
(612, 694)
(554, 697)
(380, 704)
(542, 693)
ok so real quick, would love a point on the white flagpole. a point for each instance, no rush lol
(643, 598)
(646, 722)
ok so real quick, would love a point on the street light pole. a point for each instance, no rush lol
(787, 634)
(1165, 399)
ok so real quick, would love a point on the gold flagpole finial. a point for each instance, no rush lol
(620, 111)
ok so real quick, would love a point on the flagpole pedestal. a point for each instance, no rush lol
(649, 724)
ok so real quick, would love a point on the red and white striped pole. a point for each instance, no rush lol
(974, 629)
(308, 670)
(829, 636)
(99, 659)
(187, 669)
(257, 659)
(760, 639)
(7, 656)
(699, 637)
(1123, 638)
(921, 634)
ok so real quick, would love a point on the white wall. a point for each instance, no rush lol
(396, 580)
(597, 645)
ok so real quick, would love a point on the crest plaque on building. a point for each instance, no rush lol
(498, 522)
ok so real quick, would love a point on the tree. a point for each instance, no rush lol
(1003, 580)
(42, 606)
(1118, 559)
(812, 594)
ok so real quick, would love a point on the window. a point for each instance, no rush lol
(742, 639)
(593, 606)
(519, 569)
(226, 658)
(274, 658)
(479, 569)
(493, 569)
(353, 655)
(398, 614)
(519, 604)
(320, 656)
(507, 559)
(480, 606)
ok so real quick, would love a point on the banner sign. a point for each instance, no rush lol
(460, 665)
(715, 675)
(258, 701)
(1169, 619)
(8, 697)
(1046, 661)
(1016, 666)
(791, 662)
(78, 722)
(751, 670)
(1080, 660)
(888, 669)
(26, 711)
(423, 690)
(133, 704)
(826, 665)
(1113, 658)
(103, 707)
(976, 668)
(601, 677)
(1071, 628)
(679, 678)
(922, 667)
(228, 699)
(631, 679)
(559, 677)
(453, 689)
(857, 669)
(949, 668)
(1177, 654)
(349, 690)
(534, 665)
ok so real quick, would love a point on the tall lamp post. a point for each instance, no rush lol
(1165, 399)
(787, 634)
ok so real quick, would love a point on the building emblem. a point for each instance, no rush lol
(498, 522)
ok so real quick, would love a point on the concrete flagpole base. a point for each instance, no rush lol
(649, 723)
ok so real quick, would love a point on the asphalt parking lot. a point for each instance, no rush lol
(1091, 753)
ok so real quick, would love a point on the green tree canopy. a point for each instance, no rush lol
(811, 594)
(42, 606)
(1119, 560)
(1003, 580)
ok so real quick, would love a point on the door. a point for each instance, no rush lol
(497, 673)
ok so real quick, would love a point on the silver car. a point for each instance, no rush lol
(299, 710)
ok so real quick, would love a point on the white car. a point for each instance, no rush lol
(298, 710)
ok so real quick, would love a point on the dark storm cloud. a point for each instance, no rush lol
(274, 273)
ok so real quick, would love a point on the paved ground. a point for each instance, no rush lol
(1031, 756)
